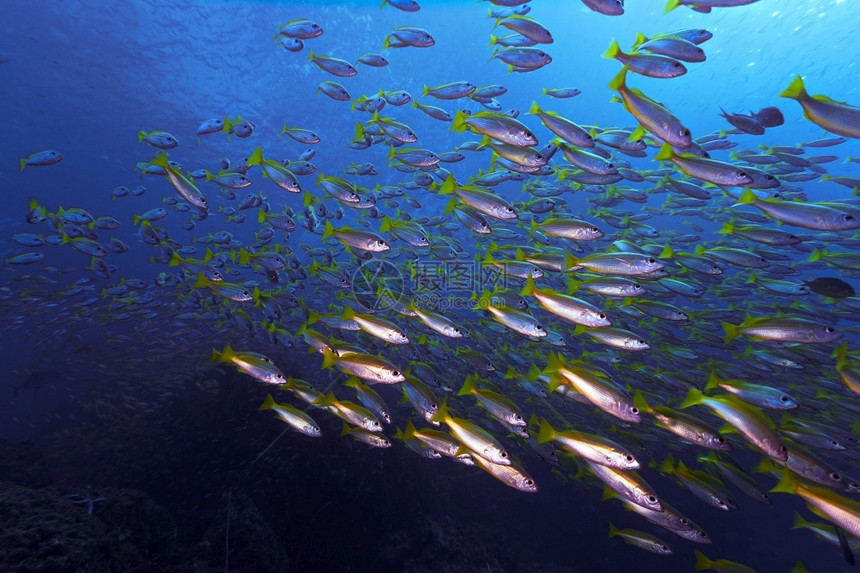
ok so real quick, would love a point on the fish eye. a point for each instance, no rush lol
(685, 132)
(742, 174)
(640, 341)
(685, 521)
(834, 443)
(783, 398)
(835, 476)
(434, 406)
(628, 457)
(783, 449)
(395, 373)
(676, 64)
(651, 260)
(721, 439)
(246, 293)
(601, 316)
(610, 166)
(504, 454)
(664, 547)
(848, 217)
(634, 410)
(702, 534)
(652, 499)
(721, 503)
(595, 229)
(830, 330)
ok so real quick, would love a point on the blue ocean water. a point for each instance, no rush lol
(112, 394)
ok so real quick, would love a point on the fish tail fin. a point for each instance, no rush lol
(666, 153)
(702, 562)
(441, 413)
(795, 90)
(666, 253)
(694, 397)
(268, 403)
(841, 354)
(386, 225)
(201, 281)
(787, 483)
(256, 157)
(328, 358)
(613, 51)
(529, 288)
(141, 135)
(459, 122)
(329, 230)
(22, 163)
(732, 331)
(613, 531)
(747, 197)
(618, 82)
(671, 5)
(225, 355)
(546, 432)
(815, 255)
(668, 465)
(534, 109)
(468, 386)
(713, 381)
(640, 402)
(175, 260)
(765, 466)
(448, 186)
(799, 522)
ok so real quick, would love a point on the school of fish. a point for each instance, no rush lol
(562, 328)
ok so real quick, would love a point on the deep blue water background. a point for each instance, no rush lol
(83, 77)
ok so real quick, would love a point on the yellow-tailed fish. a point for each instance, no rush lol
(295, 418)
(498, 406)
(473, 437)
(641, 539)
(366, 366)
(834, 116)
(597, 387)
(746, 419)
(598, 449)
(842, 511)
(567, 307)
